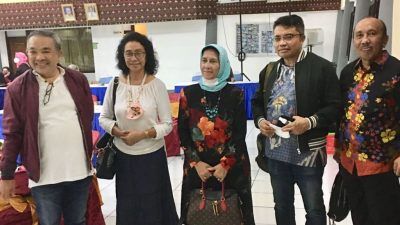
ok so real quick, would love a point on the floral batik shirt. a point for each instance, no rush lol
(370, 127)
(283, 102)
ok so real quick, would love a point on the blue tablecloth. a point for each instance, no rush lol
(95, 123)
(99, 91)
(2, 95)
(249, 88)
(1, 126)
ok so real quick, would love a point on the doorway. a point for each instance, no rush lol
(15, 44)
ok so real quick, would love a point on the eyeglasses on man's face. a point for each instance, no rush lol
(47, 93)
(138, 55)
(286, 37)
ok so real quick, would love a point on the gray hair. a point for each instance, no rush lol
(73, 67)
(49, 34)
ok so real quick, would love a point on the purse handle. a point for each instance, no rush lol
(202, 204)
(114, 96)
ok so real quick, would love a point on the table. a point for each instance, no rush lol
(95, 121)
(171, 140)
(99, 91)
(2, 95)
(249, 88)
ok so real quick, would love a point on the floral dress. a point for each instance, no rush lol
(212, 125)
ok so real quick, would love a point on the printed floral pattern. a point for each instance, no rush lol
(200, 134)
(371, 125)
(212, 140)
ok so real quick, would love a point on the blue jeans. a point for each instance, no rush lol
(68, 199)
(309, 180)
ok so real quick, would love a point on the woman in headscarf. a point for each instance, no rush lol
(212, 129)
(21, 61)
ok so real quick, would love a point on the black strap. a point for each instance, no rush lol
(114, 97)
(268, 71)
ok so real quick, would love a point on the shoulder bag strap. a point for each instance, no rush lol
(268, 71)
(114, 96)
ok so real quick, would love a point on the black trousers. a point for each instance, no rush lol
(374, 199)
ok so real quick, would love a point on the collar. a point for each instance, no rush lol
(377, 63)
(39, 77)
(301, 56)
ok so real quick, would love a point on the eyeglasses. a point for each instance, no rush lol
(286, 37)
(47, 94)
(138, 55)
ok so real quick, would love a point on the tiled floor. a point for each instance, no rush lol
(261, 188)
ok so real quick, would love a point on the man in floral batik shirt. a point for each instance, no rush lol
(368, 144)
(304, 87)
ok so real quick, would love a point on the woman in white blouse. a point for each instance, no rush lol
(143, 118)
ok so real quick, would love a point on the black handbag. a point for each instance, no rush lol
(106, 151)
(261, 159)
(338, 202)
(210, 207)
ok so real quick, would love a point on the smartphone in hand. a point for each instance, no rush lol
(284, 120)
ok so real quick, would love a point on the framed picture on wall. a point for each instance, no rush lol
(91, 11)
(68, 12)
(256, 39)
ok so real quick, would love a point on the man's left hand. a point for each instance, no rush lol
(298, 126)
(396, 166)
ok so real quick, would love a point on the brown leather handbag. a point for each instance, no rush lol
(209, 207)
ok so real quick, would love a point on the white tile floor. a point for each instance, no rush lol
(261, 188)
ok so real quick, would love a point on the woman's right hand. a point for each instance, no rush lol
(117, 132)
(202, 170)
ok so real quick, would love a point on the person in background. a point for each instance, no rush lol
(212, 128)
(143, 118)
(302, 88)
(5, 76)
(73, 67)
(368, 141)
(21, 62)
(47, 119)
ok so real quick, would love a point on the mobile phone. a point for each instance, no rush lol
(284, 120)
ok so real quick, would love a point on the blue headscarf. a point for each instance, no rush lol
(224, 69)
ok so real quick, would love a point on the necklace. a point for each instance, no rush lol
(211, 111)
(134, 110)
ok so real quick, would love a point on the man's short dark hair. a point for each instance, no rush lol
(291, 21)
(46, 33)
(151, 61)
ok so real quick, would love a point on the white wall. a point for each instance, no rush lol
(106, 38)
(177, 43)
(3, 49)
(254, 64)
(396, 30)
